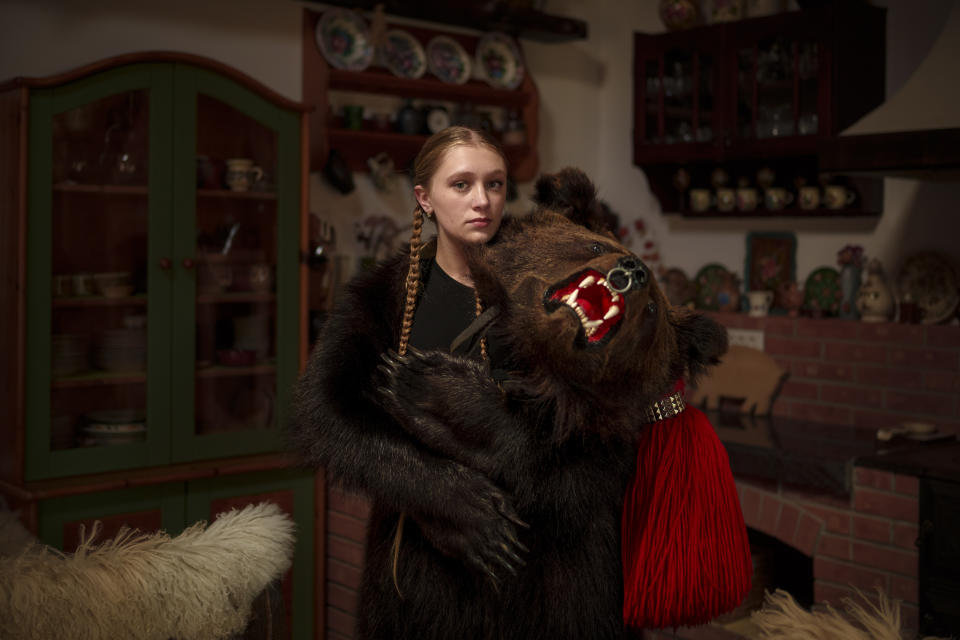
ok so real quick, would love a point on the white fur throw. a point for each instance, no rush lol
(781, 618)
(198, 585)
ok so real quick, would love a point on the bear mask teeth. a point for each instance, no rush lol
(589, 296)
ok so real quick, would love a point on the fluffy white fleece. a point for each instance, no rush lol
(781, 618)
(197, 585)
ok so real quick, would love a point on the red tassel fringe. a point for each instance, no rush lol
(686, 557)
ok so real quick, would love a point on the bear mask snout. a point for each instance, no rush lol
(589, 295)
(628, 274)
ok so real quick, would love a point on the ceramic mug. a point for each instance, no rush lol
(809, 197)
(746, 198)
(776, 198)
(837, 197)
(760, 302)
(241, 172)
(726, 199)
(700, 199)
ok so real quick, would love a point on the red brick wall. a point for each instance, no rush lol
(346, 532)
(862, 374)
(863, 541)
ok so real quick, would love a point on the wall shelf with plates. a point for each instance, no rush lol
(356, 145)
(752, 93)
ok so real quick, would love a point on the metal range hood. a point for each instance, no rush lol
(916, 132)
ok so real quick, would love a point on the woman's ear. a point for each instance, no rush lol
(423, 198)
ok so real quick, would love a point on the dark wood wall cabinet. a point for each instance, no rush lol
(758, 94)
(356, 145)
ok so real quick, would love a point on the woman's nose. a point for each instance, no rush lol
(480, 197)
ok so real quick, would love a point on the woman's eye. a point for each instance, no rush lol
(459, 185)
(495, 184)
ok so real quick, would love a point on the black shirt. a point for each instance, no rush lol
(445, 309)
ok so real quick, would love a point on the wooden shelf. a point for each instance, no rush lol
(786, 212)
(236, 195)
(382, 81)
(99, 379)
(100, 301)
(319, 79)
(357, 146)
(218, 371)
(241, 296)
(113, 189)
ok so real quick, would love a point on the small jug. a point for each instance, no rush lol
(760, 302)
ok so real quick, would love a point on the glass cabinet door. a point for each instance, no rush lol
(778, 88)
(680, 97)
(93, 299)
(235, 185)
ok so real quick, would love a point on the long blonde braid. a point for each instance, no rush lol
(425, 165)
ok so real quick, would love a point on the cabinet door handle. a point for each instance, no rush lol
(165, 264)
(188, 263)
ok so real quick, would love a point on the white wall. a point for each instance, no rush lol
(586, 98)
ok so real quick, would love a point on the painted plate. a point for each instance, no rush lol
(715, 291)
(822, 291)
(344, 40)
(498, 59)
(447, 60)
(931, 282)
(402, 54)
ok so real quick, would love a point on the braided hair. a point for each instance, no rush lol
(424, 167)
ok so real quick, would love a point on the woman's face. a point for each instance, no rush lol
(466, 194)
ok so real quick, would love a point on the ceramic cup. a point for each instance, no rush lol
(746, 198)
(776, 198)
(726, 199)
(241, 172)
(700, 199)
(809, 198)
(837, 197)
(760, 302)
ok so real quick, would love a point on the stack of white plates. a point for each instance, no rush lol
(115, 426)
(68, 354)
(122, 350)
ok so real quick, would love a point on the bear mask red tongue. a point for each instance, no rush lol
(598, 308)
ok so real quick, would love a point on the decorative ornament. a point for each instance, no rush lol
(679, 14)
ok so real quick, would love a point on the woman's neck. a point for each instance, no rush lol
(453, 261)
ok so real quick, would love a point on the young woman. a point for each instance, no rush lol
(437, 528)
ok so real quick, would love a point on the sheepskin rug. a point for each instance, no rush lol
(197, 585)
(781, 618)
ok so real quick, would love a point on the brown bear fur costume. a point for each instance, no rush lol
(512, 492)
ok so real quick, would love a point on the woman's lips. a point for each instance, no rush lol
(479, 222)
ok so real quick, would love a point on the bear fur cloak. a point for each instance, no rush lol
(512, 493)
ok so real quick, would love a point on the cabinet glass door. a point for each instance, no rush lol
(680, 98)
(777, 88)
(233, 196)
(95, 165)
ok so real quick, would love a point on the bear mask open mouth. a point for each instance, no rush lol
(588, 295)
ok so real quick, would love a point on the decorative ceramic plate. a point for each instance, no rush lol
(344, 40)
(678, 288)
(822, 291)
(447, 60)
(402, 54)
(931, 282)
(498, 59)
(713, 288)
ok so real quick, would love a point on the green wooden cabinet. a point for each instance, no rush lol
(162, 301)
(151, 222)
